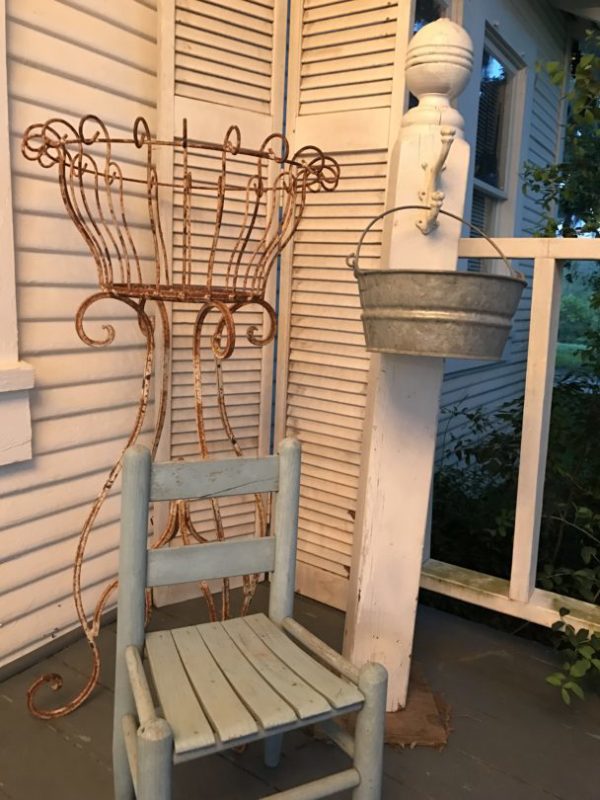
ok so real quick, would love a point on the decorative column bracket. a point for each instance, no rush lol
(431, 195)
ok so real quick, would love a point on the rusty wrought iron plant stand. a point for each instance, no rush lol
(234, 226)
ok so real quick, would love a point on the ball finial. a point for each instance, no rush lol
(439, 62)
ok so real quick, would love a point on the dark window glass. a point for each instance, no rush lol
(492, 107)
(480, 213)
(428, 11)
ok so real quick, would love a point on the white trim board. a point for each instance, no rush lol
(16, 377)
(490, 592)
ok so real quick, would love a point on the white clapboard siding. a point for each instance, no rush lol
(344, 65)
(222, 65)
(41, 535)
(67, 59)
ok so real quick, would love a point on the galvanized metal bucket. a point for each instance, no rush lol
(434, 312)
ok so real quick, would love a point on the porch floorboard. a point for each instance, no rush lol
(511, 735)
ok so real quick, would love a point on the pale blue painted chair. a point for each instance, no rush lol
(222, 684)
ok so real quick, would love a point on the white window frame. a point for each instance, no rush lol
(16, 377)
(503, 197)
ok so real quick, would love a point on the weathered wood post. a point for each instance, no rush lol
(402, 413)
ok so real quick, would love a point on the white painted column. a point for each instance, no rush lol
(402, 413)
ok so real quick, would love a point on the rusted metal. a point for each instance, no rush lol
(222, 258)
(92, 185)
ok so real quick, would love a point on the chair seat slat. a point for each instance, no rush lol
(191, 729)
(264, 703)
(302, 697)
(228, 715)
(337, 691)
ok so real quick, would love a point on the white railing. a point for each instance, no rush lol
(519, 596)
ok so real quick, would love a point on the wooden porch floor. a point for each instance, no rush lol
(512, 737)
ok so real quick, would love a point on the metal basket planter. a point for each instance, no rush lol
(188, 224)
(437, 313)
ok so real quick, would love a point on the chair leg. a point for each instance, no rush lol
(369, 734)
(125, 729)
(273, 750)
(155, 761)
(122, 776)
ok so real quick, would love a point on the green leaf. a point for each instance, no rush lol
(565, 696)
(579, 668)
(575, 688)
(556, 679)
(555, 72)
(587, 553)
(582, 636)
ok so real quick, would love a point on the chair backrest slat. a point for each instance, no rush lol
(185, 480)
(179, 480)
(212, 560)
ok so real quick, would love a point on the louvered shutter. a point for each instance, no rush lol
(222, 64)
(345, 94)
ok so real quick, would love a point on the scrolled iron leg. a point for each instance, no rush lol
(91, 627)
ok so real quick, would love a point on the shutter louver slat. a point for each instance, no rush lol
(203, 18)
(347, 56)
(331, 10)
(244, 16)
(208, 36)
(331, 565)
(213, 69)
(349, 18)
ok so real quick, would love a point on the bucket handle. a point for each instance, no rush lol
(352, 259)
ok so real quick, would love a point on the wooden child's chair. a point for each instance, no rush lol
(221, 684)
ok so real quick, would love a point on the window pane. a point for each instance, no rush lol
(492, 107)
(480, 213)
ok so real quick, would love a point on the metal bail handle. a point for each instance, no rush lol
(352, 259)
